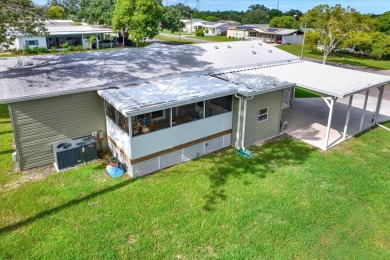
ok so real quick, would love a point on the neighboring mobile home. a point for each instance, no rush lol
(162, 105)
(266, 34)
(62, 31)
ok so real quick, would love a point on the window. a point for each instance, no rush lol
(122, 122)
(110, 112)
(186, 113)
(150, 122)
(32, 42)
(263, 115)
(218, 106)
(158, 115)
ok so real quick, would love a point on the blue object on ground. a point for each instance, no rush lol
(115, 171)
(245, 153)
(114, 168)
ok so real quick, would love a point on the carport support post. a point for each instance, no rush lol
(348, 116)
(331, 107)
(364, 110)
(378, 106)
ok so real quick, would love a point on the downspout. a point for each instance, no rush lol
(238, 122)
(244, 121)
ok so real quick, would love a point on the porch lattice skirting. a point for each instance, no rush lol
(179, 156)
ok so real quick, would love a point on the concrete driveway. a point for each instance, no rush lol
(308, 117)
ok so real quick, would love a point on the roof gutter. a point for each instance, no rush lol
(237, 144)
(244, 121)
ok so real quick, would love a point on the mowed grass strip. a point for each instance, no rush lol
(217, 38)
(171, 39)
(289, 201)
(339, 57)
(305, 93)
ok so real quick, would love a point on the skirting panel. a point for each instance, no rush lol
(179, 156)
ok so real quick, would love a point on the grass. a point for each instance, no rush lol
(213, 38)
(305, 93)
(174, 33)
(170, 39)
(340, 58)
(290, 201)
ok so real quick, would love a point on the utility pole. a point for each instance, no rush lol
(303, 41)
(277, 8)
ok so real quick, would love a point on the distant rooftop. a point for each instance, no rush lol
(60, 27)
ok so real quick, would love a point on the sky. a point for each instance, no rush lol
(363, 6)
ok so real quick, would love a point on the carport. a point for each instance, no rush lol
(327, 121)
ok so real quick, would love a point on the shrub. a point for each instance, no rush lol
(64, 45)
(27, 49)
(199, 33)
(53, 49)
(15, 51)
(35, 50)
(206, 31)
(79, 48)
(43, 50)
(70, 48)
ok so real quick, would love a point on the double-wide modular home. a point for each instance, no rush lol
(163, 105)
(59, 32)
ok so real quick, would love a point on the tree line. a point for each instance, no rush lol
(333, 27)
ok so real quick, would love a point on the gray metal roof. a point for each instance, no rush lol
(52, 75)
(329, 80)
(286, 32)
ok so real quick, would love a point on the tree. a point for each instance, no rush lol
(96, 11)
(18, 17)
(312, 38)
(287, 22)
(55, 12)
(171, 19)
(380, 46)
(256, 16)
(70, 7)
(384, 23)
(139, 17)
(294, 13)
(335, 24)
(258, 7)
(275, 13)
(359, 41)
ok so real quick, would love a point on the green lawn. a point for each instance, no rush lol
(290, 201)
(340, 58)
(213, 38)
(170, 39)
(175, 33)
(305, 93)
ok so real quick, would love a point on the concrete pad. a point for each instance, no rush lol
(308, 117)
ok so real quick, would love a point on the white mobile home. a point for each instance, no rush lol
(163, 105)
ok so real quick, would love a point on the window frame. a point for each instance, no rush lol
(262, 114)
(36, 42)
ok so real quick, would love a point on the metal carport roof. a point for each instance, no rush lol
(329, 80)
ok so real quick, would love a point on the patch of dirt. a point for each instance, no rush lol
(29, 175)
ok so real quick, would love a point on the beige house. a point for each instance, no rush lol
(266, 34)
